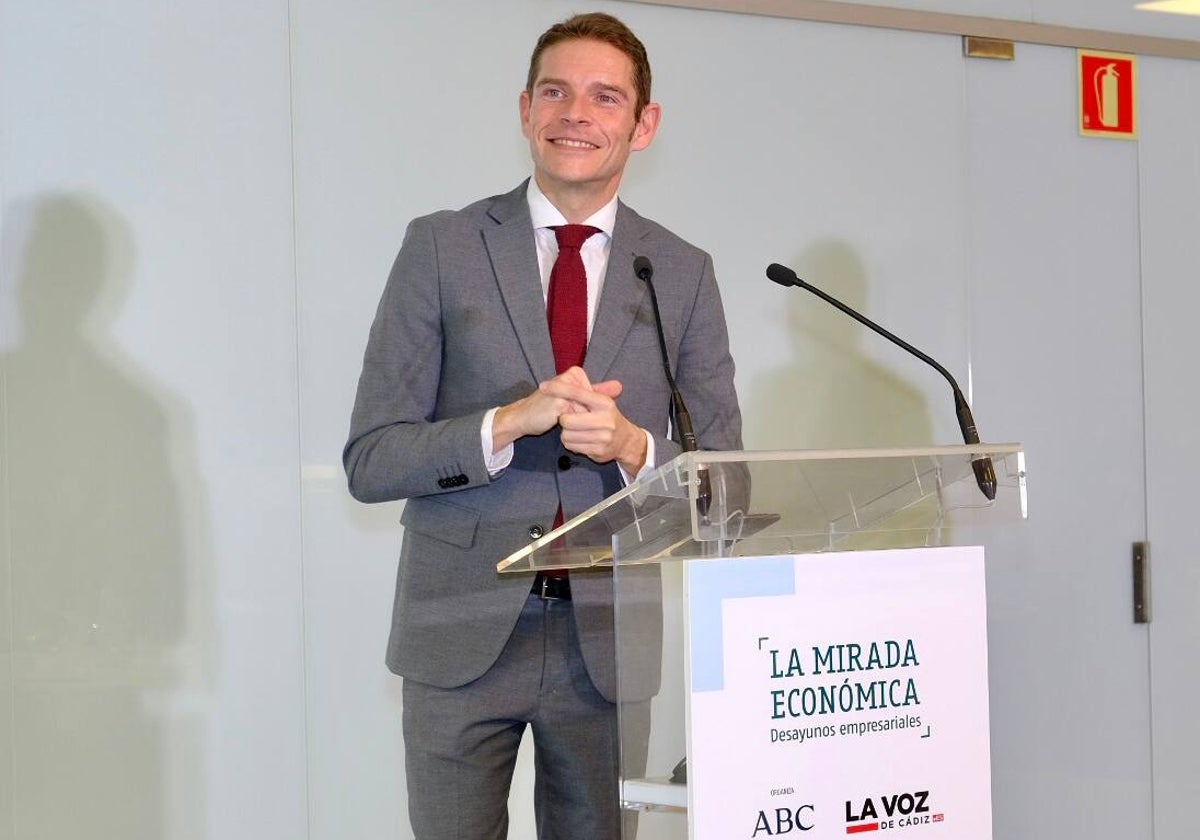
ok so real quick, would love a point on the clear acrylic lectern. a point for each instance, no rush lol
(706, 505)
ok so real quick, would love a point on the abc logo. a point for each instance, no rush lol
(783, 821)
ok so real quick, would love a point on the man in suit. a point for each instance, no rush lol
(475, 406)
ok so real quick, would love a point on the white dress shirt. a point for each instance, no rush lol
(594, 252)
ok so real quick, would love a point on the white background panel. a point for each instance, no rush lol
(1057, 365)
(1169, 168)
(394, 118)
(150, 438)
(768, 165)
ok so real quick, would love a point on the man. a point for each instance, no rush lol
(479, 403)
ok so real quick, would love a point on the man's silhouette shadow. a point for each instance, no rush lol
(106, 545)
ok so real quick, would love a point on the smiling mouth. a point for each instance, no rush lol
(573, 144)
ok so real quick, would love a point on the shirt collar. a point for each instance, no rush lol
(544, 214)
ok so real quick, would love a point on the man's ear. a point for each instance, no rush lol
(646, 126)
(523, 109)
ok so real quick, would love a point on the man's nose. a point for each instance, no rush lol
(576, 111)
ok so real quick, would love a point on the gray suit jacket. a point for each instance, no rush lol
(461, 327)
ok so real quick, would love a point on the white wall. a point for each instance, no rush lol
(1169, 170)
(1057, 364)
(192, 610)
(153, 647)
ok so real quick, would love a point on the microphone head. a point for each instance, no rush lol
(642, 268)
(782, 275)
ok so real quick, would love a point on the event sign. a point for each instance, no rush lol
(839, 694)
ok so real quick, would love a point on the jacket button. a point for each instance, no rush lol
(444, 483)
(535, 531)
(564, 463)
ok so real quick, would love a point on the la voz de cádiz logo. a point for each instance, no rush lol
(893, 810)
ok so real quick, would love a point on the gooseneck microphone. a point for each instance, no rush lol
(985, 472)
(680, 418)
(679, 413)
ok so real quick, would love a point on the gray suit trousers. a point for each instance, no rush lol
(461, 743)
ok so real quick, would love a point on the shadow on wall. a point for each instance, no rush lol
(832, 395)
(110, 602)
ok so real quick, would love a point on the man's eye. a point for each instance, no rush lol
(552, 93)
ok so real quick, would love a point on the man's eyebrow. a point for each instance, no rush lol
(604, 86)
(610, 88)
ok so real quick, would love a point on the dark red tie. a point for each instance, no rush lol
(566, 308)
(566, 302)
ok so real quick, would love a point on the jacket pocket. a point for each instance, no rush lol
(438, 519)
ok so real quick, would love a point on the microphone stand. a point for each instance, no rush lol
(680, 417)
(981, 465)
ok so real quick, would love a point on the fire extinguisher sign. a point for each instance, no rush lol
(1107, 104)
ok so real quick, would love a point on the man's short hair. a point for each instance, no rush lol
(597, 26)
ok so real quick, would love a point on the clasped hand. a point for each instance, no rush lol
(592, 425)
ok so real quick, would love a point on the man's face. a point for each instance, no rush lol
(579, 119)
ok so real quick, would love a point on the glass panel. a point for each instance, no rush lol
(728, 504)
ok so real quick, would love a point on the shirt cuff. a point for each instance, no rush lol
(647, 466)
(495, 462)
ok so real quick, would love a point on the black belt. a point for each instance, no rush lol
(552, 588)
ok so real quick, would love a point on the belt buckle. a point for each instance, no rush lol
(544, 591)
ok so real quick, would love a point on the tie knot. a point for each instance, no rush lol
(573, 236)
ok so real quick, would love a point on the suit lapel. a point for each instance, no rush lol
(513, 254)
(623, 295)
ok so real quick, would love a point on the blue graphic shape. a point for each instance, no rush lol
(710, 583)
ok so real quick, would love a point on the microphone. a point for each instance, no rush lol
(981, 465)
(680, 417)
